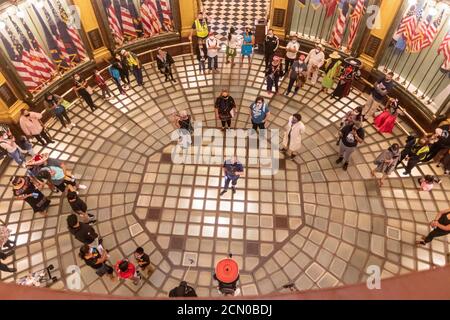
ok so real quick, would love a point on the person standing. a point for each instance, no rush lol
(24, 189)
(273, 75)
(83, 232)
(82, 89)
(183, 122)
(5, 243)
(351, 136)
(202, 56)
(164, 62)
(348, 75)
(440, 225)
(126, 270)
(292, 49)
(30, 123)
(247, 46)
(417, 154)
(386, 162)
(114, 71)
(332, 70)
(271, 44)
(441, 141)
(380, 90)
(259, 114)
(79, 206)
(232, 45)
(54, 103)
(297, 75)
(315, 60)
(350, 118)
(224, 108)
(8, 143)
(4, 267)
(134, 64)
(212, 45)
(183, 290)
(292, 141)
(233, 170)
(124, 70)
(101, 83)
(143, 261)
(200, 26)
(97, 261)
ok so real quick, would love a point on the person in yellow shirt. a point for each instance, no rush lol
(134, 65)
(200, 26)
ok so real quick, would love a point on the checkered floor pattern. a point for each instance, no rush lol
(240, 14)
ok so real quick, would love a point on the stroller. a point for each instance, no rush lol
(41, 278)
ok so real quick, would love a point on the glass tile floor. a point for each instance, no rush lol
(311, 223)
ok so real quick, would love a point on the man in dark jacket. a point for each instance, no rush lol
(165, 62)
(83, 232)
(271, 43)
(183, 290)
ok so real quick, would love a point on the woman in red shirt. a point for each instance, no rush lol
(127, 270)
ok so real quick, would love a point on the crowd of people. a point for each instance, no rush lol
(298, 68)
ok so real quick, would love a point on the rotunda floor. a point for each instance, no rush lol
(311, 223)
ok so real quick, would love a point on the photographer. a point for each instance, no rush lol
(165, 61)
(351, 136)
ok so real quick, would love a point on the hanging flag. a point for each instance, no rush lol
(408, 24)
(152, 9)
(72, 32)
(167, 14)
(16, 60)
(330, 6)
(146, 19)
(38, 51)
(412, 37)
(127, 21)
(30, 57)
(302, 3)
(67, 53)
(338, 31)
(57, 55)
(316, 4)
(64, 35)
(113, 22)
(136, 19)
(444, 49)
(355, 19)
(431, 32)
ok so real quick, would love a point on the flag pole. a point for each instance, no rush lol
(409, 73)
(306, 20)
(320, 26)
(331, 24)
(423, 79)
(298, 21)
(312, 21)
(388, 62)
(436, 87)
(431, 84)
(404, 65)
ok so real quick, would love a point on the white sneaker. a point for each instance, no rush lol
(82, 187)
(73, 124)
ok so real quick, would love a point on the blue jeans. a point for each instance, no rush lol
(233, 181)
(138, 75)
(17, 156)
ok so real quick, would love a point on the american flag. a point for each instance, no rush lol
(73, 32)
(31, 57)
(150, 20)
(330, 6)
(167, 15)
(57, 37)
(136, 18)
(128, 28)
(420, 23)
(355, 18)
(49, 68)
(407, 27)
(20, 67)
(338, 30)
(444, 49)
(431, 32)
(113, 22)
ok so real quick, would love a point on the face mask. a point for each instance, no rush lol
(317, 50)
(5, 136)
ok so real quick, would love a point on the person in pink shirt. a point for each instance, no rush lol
(427, 183)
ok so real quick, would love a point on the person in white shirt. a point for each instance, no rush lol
(292, 49)
(315, 60)
(8, 143)
(212, 45)
(232, 45)
(292, 141)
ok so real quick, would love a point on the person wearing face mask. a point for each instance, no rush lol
(271, 44)
(247, 46)
(83, 90)
(380, 90)
(273, 74)
(292, 141)
(297, 75)
(165, 62)
(225, 107)
(212, 45)
(200, 26)
(291, 52)
(54, 103)
(315, 60)
(134, 64)
(260, 113)
(232, 46)
(351, 136)
(8, 142)
(30, 123)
